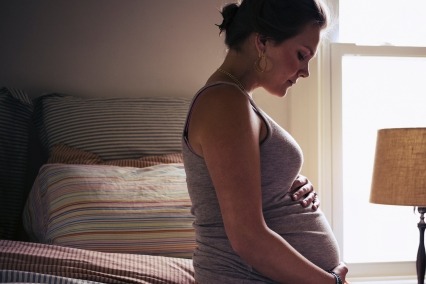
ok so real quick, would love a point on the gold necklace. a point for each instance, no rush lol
(233, 78)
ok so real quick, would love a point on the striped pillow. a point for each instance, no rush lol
(63, 154)
(15, 118)
(112, 209)
(147, 161)
(113, 128)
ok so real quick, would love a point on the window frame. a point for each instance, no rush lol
(331, 150)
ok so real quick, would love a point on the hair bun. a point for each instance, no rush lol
(228, 14)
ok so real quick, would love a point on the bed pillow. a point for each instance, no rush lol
(63, 154)
(15, 118)
(113, 128)
(112, 209)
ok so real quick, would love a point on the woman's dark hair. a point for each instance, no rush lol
(275, 19)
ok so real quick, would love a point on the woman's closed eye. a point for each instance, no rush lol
(301, 56)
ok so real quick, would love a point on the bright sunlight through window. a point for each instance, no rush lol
(378, 92)
(383, 22)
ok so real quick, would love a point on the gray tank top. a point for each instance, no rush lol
(281, 160)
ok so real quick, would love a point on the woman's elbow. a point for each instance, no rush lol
(244, 243)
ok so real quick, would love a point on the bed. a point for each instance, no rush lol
(93, 190)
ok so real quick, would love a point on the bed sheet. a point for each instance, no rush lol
(27, 262)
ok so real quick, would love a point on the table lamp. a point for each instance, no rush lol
(399, 176)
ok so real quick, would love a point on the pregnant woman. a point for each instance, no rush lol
(256, 217)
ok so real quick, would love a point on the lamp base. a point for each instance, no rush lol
(421, 254)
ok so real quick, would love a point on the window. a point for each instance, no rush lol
(382, 22)
(376, 99)
(377, 69)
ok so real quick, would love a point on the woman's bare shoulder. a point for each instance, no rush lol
(220, 112)
(222, 97)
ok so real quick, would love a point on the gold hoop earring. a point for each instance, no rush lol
(261, 63)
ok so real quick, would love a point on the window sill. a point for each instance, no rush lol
(384, 280)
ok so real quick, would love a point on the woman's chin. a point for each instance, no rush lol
(281, 92)
(284, 91)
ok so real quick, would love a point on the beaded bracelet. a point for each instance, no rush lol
(337, 277)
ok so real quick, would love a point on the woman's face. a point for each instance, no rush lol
(289, 60)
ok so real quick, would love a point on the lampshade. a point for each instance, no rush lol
(399, 175)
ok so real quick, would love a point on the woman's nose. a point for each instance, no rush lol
(304, 72)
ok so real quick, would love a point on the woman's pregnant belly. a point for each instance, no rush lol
(310, 234)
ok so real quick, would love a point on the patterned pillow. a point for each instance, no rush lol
(15, 118)
(113, 128)
(64, 154)
(112, 209)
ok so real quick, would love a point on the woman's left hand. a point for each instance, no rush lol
(303, 190)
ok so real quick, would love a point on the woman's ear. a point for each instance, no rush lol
(260, 41)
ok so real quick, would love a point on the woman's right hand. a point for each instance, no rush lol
(341, 270)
